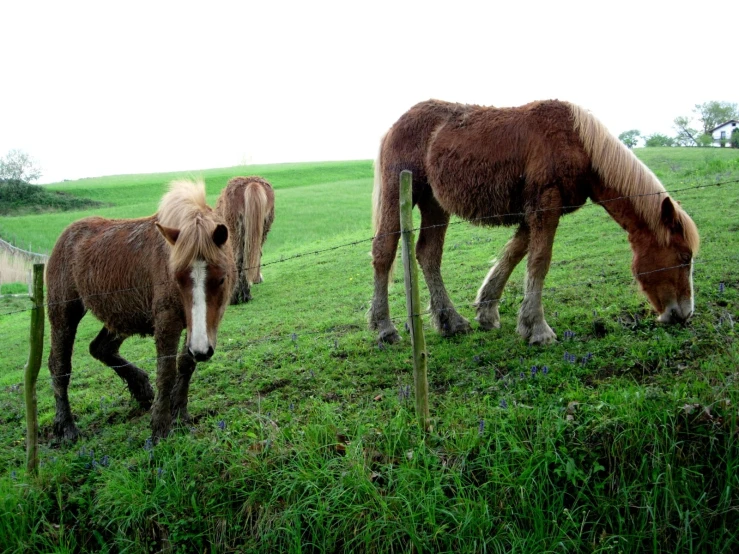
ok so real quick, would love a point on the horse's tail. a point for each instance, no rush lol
(377, 189)
(622, 171)
(255, 213)
(377, 197)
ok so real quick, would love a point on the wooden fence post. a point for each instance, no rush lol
(32, 369)
(413, 302)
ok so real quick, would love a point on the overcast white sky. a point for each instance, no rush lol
(93, 88)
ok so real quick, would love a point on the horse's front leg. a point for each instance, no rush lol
(167, 336)
(488, 297)
(543, 226)
(185, 368)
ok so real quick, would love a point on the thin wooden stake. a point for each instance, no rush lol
(32, 369)
(413, 302)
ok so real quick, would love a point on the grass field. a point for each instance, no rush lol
(305, 439)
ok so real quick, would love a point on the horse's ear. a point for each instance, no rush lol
(220, 235)
(669, 215)
(169, 234)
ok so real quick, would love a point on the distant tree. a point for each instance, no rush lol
(735, 138)
(630, 138)
(686, 135)
(658, 139)
(712, 114)
(705, 140)
(19, 166)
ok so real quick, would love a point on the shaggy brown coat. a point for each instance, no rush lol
(524, 166)
(134, 275)
(247, 204)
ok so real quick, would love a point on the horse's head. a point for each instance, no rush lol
(204, 272)
(664, 269)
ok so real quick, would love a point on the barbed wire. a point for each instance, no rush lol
(361, 241)
(614, 276)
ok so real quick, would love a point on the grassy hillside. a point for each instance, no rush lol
(304, 436)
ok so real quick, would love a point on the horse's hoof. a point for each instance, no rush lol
(539, 335)
(487, 324)
(454, 326)
(389, 336)
(68, 432)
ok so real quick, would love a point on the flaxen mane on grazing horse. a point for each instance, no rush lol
(154, 276)
(247, 204)
(524, 166)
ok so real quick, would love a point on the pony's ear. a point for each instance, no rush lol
(669, 215)
(220, 235)
(169, 234)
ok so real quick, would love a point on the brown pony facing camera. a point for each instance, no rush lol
(158, 275)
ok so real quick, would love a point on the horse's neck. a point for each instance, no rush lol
(619, 208)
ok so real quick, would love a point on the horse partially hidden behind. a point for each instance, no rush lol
(524, 166)
(247, 204)
(155, 276)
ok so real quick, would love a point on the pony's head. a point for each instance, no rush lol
(663, 263)
(200, 261)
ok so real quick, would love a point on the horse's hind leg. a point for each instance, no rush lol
(185, 369)
(105, 348)
(384, 248)
(488, 297)
(64, 317)
(543, 226)
(429, 249)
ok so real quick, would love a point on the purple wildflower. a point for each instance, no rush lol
(545, 369)
(721, 287)
(222, 424)
(148, 445)
(534, 369)
(503, 403)
(481, 427)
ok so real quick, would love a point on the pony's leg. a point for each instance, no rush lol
(384, 248)
(429, 249)
(241, 293)
(167, 338)
(105, 348)
(185, 369)
(63, 318)
(531, 323)
(488, 297)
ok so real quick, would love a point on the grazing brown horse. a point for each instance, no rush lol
(524, 166)
(153, 276)
(247, 204)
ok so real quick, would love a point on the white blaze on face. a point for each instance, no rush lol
(199, 332)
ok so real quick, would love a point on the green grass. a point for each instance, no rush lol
(304, 440)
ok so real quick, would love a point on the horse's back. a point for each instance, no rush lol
(483, 162)
(112, 266)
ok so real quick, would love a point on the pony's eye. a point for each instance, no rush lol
(685, 258)
(223, 280)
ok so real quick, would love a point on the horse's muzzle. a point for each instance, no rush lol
(200, 356)
(676, 314)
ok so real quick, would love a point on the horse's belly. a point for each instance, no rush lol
(122, 313)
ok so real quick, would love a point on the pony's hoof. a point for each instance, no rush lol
(487, 324)
(389, 336)
(66, 432)
(540, 334)
(454, 326)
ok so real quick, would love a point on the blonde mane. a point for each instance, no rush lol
(183, 207)
(623, 172)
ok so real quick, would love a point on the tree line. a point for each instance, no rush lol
(692, 130)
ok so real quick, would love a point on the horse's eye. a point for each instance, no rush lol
(223, 280)
(685, 258)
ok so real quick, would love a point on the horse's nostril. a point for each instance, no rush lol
(210, 352)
